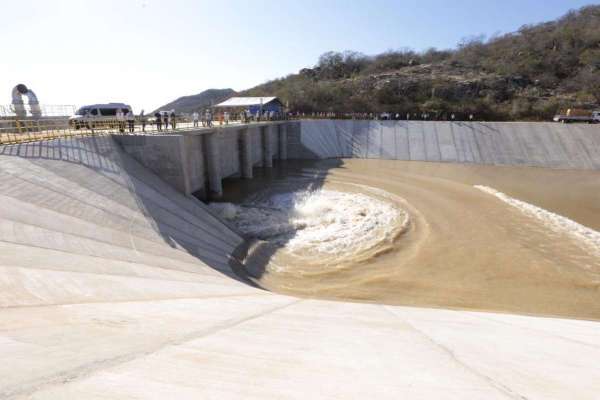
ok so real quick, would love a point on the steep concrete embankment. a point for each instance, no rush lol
(551, 145)
(76, 202)
(114, 285)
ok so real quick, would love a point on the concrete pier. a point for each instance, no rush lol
(196, 162)
(213, 163)
(282, 134)
(267, 142)
(246, 154)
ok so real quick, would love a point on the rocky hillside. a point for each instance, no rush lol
(188, 104)
(528, 74)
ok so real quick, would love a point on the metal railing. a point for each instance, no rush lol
(47, 110)
(14, 131)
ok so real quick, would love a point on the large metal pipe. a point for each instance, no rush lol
(17, 100)
(34, 104)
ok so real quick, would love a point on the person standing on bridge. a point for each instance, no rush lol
(143, 121)
(130, 120)
(208, 118)
(158, 120)
(173, 121)
(121, 120)
(166, 120)
(195, 118)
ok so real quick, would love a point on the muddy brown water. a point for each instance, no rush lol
(462, 247)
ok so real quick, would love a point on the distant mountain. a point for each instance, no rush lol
(188, 104)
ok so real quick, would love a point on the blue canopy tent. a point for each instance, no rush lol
(252, 104)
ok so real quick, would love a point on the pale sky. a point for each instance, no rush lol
(149, 52)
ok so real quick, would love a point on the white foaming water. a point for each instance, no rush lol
(589, 238)
(323, 225)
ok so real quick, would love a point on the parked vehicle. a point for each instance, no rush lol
(578, 115)
(97, 115)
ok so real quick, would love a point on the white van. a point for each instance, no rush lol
(97, 115)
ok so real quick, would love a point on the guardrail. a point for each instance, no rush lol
(14, 131)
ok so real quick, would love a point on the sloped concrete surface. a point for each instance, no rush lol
(115, 286)
(572, 146)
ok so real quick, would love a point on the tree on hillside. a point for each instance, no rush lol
(335, 65)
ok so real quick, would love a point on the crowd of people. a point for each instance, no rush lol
(205, 118)
(125, 119)
(163, 120)
(414, 116)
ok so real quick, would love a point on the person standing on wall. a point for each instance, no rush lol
(173, 120)
(158, 120)
(208, 118)
(130, 120)
(166, 120)
(121, 120)
(88, 120)
(195, 118)
(143, 121)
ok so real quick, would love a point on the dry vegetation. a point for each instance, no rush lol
(529, 74)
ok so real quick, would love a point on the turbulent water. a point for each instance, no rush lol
(477, 237)
(320, 227)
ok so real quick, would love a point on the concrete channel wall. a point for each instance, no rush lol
(197, 161)
(570, 146)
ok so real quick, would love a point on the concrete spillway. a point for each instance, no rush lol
(113, 284)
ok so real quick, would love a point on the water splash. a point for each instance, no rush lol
(586, 237)
(323, 226)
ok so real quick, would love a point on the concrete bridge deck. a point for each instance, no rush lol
(115, 285)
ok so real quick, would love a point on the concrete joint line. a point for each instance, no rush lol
(87, 370)
(131, 301)
(541, 332)
(117, 259)
(500, 387)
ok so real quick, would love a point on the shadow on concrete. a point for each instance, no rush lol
(99, 165)
(72, 150)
